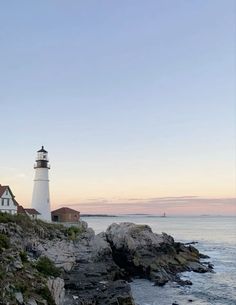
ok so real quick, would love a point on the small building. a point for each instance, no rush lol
(32, 213)
(65, 215)
(8, 204)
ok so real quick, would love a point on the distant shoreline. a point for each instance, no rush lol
(150, 215)
(97, 215)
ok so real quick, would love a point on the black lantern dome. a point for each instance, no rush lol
(42, 159)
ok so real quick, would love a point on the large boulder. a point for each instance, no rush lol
(95, 278)
(57, 290)
(154, 256)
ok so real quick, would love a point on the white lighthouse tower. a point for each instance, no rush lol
(40, 198)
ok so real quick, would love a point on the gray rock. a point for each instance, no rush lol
(56, 287)
(95, 278)
(61, 252)
(16, 264)
(31, 302)
(154, 256)
(19, 297)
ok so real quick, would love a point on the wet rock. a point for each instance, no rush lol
(210, 265)
(197, 267)
(184, 282)
(203, 256)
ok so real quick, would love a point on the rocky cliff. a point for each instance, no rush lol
(50, 264)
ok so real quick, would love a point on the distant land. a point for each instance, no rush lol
(97, 215)
(118, 215)
(150, 215)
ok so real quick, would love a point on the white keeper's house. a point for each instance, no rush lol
(8, 203)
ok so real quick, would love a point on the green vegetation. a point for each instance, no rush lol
(21, 286)
(2, 274)
(20, 219)
(45, 266)
(4, 242)
(5, 217)
(45, 293)
(23, 256)
(41, 228)
(48, 225)
(73, 232)
(31, 279)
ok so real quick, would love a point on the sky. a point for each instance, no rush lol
(134, 101)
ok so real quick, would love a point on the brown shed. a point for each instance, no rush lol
(65, 215)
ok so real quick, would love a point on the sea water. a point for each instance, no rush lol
(215, 236)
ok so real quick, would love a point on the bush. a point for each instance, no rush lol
(24, 257)
(47, 267)
(6, 217)
(22, 220)
(73, 232)
(45, 293)
(21, 286)
(4, 242)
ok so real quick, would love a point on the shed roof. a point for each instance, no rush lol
(65, 210)
(20, 210)
(32, 211)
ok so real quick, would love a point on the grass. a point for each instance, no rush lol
(4, 242)
(45, 266)
(45, 293)
(23, 256)
(32, 278)
(73, 232)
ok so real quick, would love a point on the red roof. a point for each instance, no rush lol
(20, 209)
(3, 188)
(65, 210)
(32, 211)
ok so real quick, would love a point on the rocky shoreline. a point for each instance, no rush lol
(95, 269)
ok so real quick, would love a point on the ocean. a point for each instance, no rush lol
(215, 236)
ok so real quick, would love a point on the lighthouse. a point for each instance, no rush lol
(40, 198)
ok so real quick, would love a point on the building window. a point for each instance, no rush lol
(6, 191)
(8, 201)
(2, 201)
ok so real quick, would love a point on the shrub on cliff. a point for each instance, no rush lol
(73, 232)
(24, 257)
(47, 267)
(5, 217)
(4, 242)
(46, 294)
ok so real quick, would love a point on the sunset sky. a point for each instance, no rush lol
(134, 101)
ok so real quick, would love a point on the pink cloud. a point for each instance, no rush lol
(186, 205)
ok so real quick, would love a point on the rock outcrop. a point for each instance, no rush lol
(57, 290)
(94, 269)
(153, 256)
(95, 277)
